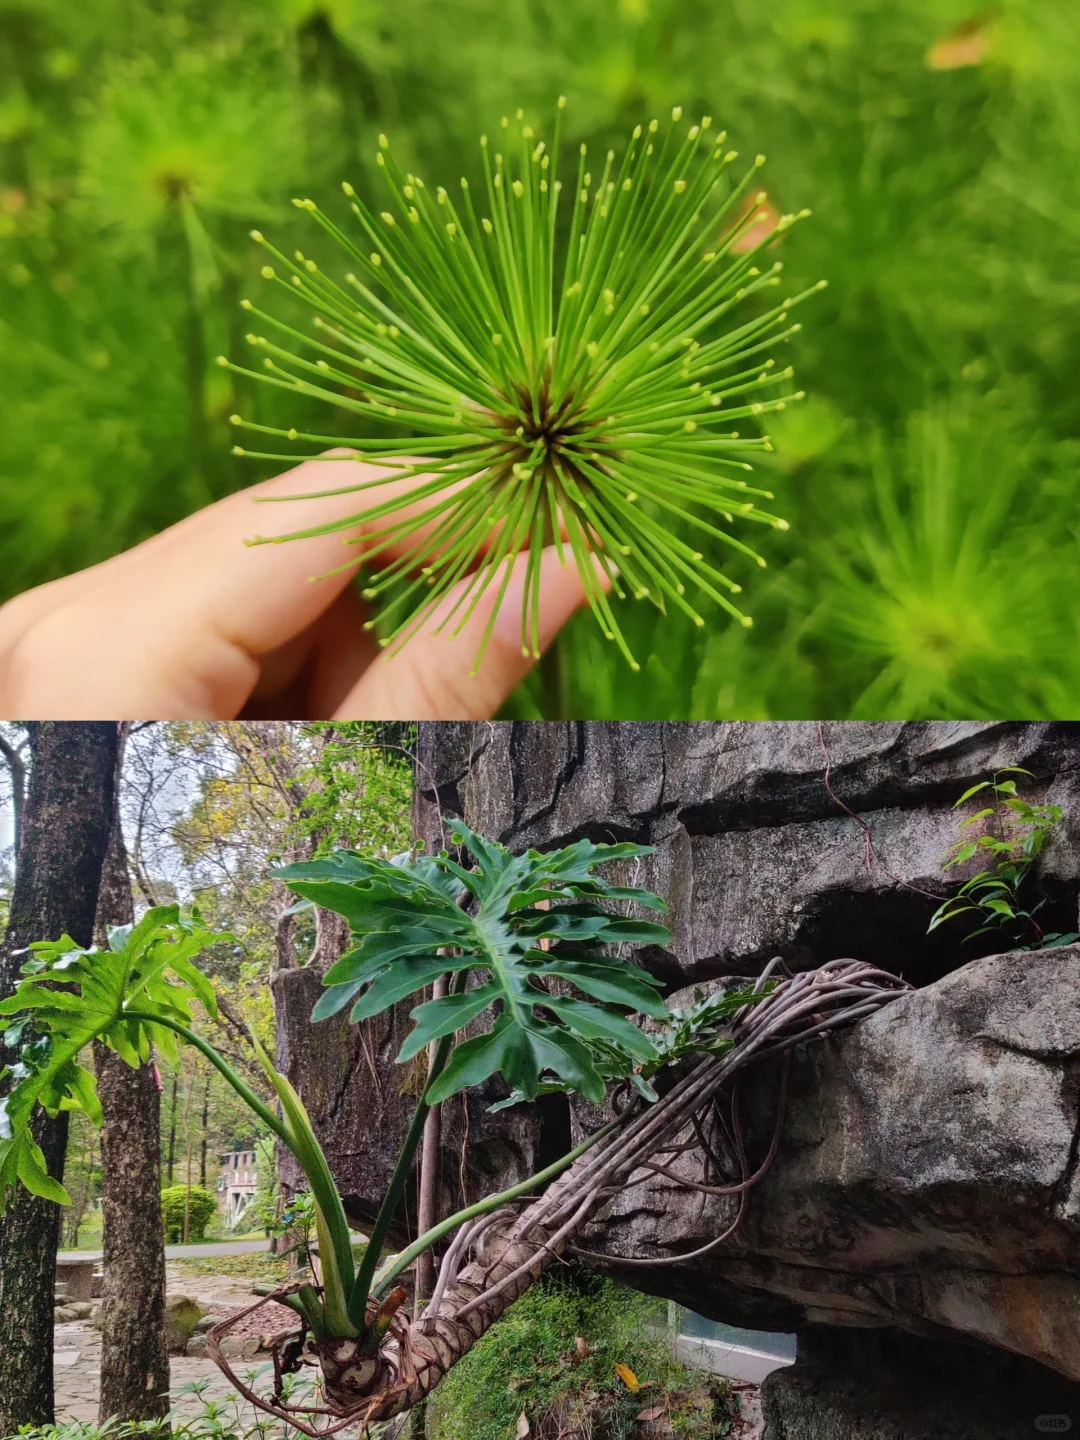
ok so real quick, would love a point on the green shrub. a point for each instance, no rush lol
(173, 1204)
(553, 1356)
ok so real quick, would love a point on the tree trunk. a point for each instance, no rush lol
(205, 1140)
(134, 1357)
(16, 764)
(66, 821)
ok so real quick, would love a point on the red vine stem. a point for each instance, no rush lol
(873, 859)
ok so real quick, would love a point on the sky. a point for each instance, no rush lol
(174, 795)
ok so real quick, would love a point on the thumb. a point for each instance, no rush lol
(430, 678)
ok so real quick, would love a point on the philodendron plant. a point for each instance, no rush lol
(536, 991)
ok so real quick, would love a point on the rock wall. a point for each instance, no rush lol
(886, 1385)
(921, 1228)
(927, 1176)
(754, 851)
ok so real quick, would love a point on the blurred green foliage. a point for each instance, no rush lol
(932, 476)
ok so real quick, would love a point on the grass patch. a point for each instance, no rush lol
(260, 1265)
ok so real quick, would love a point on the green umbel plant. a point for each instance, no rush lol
(571, 383)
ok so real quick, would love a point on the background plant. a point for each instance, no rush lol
(999, 897)
(186, 1211)
(946, 212)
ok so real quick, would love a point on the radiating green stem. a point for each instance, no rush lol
(490, 1202)
(249, 1097)
(396, 1188)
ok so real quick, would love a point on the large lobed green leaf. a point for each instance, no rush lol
(71, 996)
(505, 929)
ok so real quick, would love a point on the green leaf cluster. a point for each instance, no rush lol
(358, 786)
(700, 1027)
(527, 940)
(131, 997)
(993, 895)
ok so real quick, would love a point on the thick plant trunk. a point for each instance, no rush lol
(65, 831)
(134, 1356)
(438, 1345)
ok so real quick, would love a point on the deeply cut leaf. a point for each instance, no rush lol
(532, 920)
(147, 968)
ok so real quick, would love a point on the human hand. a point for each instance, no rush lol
(193, 624)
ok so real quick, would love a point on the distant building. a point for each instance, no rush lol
(237, 1183)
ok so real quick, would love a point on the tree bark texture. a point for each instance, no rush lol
(65, 831)
(134, 1356)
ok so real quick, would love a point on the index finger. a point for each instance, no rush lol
(202, 567)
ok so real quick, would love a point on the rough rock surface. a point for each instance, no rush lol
(885, 1385)
(926, 1177)
(753, 853)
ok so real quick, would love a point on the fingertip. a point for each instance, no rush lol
(563, 591)
(435, 676)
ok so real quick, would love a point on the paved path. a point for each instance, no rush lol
(77, 1347)
(188, 1252)
(77, 1362)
